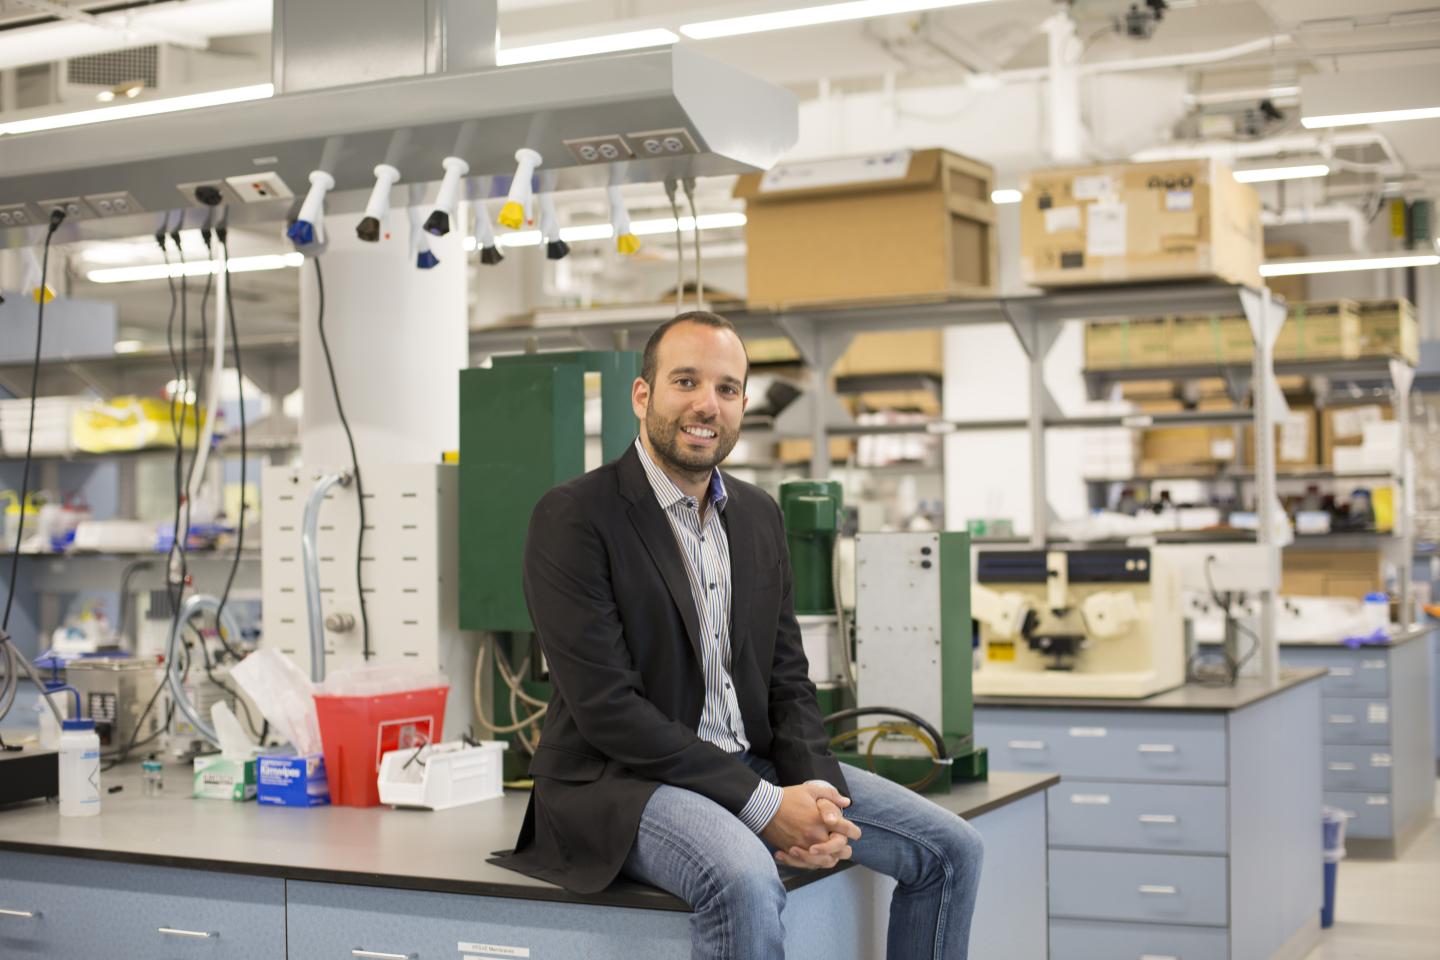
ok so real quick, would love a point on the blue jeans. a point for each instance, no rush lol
(694, 848)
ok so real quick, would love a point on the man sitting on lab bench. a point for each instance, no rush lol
(683, 746)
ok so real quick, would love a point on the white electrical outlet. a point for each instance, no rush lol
(74, 207)
(606, 149)
(16, 215)
(116, 204)
(260, 187)
(674, 142)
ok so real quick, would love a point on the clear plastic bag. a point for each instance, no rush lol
(376, 679)
(284, 695)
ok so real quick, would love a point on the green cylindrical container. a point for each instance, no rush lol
(812, 522)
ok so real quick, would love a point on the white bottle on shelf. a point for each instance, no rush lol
(79, 769)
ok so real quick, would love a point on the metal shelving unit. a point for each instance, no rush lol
(822, 334)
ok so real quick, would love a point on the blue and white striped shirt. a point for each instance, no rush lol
(706, 550)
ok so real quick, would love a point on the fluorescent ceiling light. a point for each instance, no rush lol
(1297, 172)
(1006, 196)
(1292, 268)
(128, 346)
(584, 46)
(1374, 116)
(140, 108)
(812, 16)
(604, 231)
(195, 268)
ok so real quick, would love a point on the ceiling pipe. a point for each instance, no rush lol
(1169, 61)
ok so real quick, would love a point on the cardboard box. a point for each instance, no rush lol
(1174, 220)
(292, 781)
(1345, 427)
(1192, 449)
(903, 225)
(1212, 338)
(904, 351)
(1293, 289)
(1297, 440)
(1331, 573)
(220, 778)
(1320, 330)
(1118, 344)
(916, 401)
(797, 450)
(1388, 328)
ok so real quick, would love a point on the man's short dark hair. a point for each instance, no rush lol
(703, 317)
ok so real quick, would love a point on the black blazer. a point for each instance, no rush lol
(607, 591)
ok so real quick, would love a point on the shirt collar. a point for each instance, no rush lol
(667, 493)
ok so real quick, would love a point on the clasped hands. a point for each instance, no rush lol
(809, 832)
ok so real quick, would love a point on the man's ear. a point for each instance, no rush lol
(639, 397)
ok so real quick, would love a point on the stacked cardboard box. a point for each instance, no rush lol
(1320, 330)
(1331, 573)
(1211, 338)
(1388, 328)
(1118, 344)
(1174, 220)
(904, 225)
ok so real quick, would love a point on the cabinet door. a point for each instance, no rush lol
(1095, 940)
(1145, 745)
(1158, 817)
(80, 907)
(330, 921)
(1149, 887)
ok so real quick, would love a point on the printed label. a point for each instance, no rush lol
(1378, 713)
(404, 734)
(1062, 218)
(1380, 760)
(1093, 188)
(1105, 232)
(1179, 201)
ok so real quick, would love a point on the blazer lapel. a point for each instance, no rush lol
(654, 529)
(739, 530)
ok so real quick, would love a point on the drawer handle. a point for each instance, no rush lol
(1341, 718)
(1159, 818)
(1090, 799)
(20, 914)
(1027, 744)
(1164, 891)
(1157, 748)
(194, 934)
(1158, 956)
(1342, 671)
(1342, 767)
(374, 955)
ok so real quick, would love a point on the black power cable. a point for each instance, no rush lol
(354, 460)
(222, 233)
(917, 720)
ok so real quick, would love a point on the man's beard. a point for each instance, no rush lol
(665, 439)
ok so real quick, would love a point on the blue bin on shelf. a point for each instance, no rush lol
(1332, 821)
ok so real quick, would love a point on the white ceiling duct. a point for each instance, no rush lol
(162, 22)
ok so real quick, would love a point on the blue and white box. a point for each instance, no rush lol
(293, 781)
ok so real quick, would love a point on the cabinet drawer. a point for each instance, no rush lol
(1350, 721)
(1352, 673)
(101, 909)
(1105, 745)
(1097, 940)
(1357, 769)
(1138, 886)
(1370, 814)
(1138, 816)
(331, 921)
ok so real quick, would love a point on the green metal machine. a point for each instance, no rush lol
(522, 431)
(912, 636)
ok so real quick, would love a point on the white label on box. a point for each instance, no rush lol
(1105, 233)
(494, 950)
(1295, 438)
(836, 172)
(1378, 713)
(1058, 219)
(1093, 188)
(1179, 201)
(1351, 423)
(1222, 449)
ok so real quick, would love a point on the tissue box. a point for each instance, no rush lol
(293, 781)
(220, 778)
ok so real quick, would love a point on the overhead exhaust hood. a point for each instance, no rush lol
(620, 118)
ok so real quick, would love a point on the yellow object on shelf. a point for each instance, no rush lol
(134, 423)
(1382, 501)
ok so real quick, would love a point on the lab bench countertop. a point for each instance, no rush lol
(444, 851)
(1402, 636)
(1192, 697)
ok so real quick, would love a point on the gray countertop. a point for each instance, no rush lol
(442, 851)
(1191, 697)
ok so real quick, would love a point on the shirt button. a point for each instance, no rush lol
(727, 684)
(712, 586)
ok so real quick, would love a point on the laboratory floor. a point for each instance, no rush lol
(1386, 909)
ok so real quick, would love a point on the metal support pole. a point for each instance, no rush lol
(819, 350)
(1403, 377)
(1036, 337)
(1266, 316)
